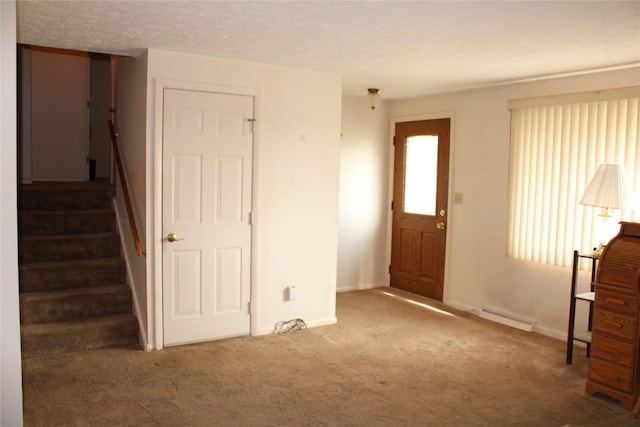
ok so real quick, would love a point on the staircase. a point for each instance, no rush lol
(73, 292)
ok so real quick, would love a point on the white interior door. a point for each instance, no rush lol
(207, 166)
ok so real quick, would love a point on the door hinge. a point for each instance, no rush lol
(394, 140)
(389, 268)
(249, 307)
(250, 216)
(392, 205)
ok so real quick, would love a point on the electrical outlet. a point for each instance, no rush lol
(292, 293)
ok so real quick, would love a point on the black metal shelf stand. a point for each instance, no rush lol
(583, 336)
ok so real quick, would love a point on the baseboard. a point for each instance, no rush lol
(542, 330)
(322, 322)
(261, 332)
(361, 287)
(311, 324)
(462, 307)
(552, 333)
(507, 318)
(496, 315)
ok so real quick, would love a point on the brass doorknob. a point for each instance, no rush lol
(173, 237)
(441, 226)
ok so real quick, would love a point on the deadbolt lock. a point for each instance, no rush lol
(443, 212)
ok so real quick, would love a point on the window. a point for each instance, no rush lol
(557, 143)
(421, 174)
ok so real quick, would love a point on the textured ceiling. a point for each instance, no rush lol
(403, 48)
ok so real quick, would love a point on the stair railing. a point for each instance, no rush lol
(125, 191)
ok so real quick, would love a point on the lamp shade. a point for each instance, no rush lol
(609, 188)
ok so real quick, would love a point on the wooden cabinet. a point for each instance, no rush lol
(614, 368)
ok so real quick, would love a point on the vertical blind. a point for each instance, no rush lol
(555, 151)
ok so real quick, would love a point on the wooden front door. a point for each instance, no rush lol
(420, 194)
(206, 185)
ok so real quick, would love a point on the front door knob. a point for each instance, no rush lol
(173, 237)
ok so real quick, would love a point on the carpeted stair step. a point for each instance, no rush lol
(67, 304)
(33, 198)
(51, 276)
(69, 247)
(78, 335)
(73, 295)
(34, 223)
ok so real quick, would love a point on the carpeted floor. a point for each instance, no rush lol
(390, 361)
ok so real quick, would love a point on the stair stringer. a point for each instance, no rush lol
(136, 271)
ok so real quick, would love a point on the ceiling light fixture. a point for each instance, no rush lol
(373, 99)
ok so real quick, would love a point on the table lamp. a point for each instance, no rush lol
(609, 189)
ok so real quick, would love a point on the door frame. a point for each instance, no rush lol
(155, 234)
(392, 130)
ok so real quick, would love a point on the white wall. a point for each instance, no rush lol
(478, 272)
(296, 169)
(132, 137)
(59, 115)
(363, 203)
(10, 361)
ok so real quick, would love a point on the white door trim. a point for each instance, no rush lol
(392, 129)
(154, 205)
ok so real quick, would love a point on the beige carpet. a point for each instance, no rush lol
(388, 362)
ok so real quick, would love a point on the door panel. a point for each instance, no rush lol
(229, 194)
(420, 194)
(187, 189)
(187, 296)
(207, 150)
(228, 279)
